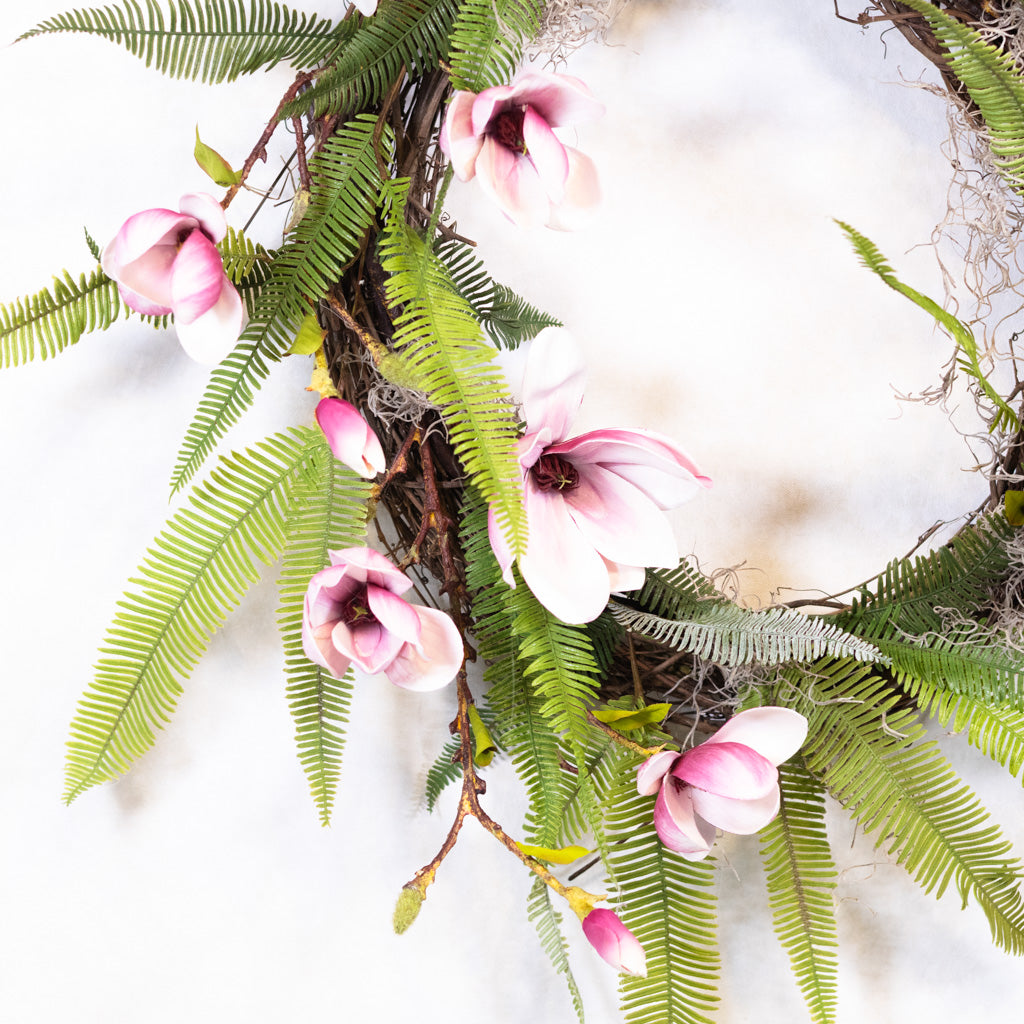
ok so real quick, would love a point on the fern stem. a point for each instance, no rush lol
(442, 192)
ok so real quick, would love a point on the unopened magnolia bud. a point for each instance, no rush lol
(407, 908)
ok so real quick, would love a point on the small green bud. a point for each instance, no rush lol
(407, 908)
(483, 743)
(309, 338)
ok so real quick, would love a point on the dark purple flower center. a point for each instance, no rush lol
(507, 128)
(356, 609)
(553, 473)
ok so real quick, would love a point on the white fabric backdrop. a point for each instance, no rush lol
(201, 887)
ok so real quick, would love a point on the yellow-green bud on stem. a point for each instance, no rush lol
(407, 908)
(483, 743)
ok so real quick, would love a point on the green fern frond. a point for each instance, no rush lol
(669, 905)
(409, 34)
(488, 38)
(49, 321)
(327, 512)
(446, 769)
(212, 41)
(674, 593)
(729, 635)
(801, 878)
(994, 729)
(872, 758)
(92, 245)
(994, 82)
(196, 572)
(439, 340)
(969, 360)
(911, 597)
(507, 319)
(346, 185)
(548, 922)
(243, 258)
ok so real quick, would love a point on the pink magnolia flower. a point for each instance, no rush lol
(350, 437)
(615, 943)
(365, 7)
(729, 781)
(504, 137)
(167, 262)
(353, 615)
(594, 503)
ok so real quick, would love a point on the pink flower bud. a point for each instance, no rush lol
(351, 438)
(167, 262)
(615, 943)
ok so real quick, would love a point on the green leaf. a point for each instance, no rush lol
(628, 719)
(213, 165)
(548, 923)
(53, 319)
(488, 38)
(969, 360)
(561, 855)
(438, 337)
(801, 881)
(328, 511)
(215, 41)
(309, 338)
(196, 572)
(1013, 507)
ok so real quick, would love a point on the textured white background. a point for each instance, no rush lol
(719, 304)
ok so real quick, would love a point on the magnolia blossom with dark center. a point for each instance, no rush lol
(504, 138)
(594, 503)
(166, 261)
(730, 781)
(350, 437)
(615, 943)
(353, 615)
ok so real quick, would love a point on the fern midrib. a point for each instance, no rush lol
(100, 757)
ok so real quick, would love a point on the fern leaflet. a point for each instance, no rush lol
(548, 923)
(482, 55)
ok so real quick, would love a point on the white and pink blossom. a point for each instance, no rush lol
(166, 261)
(351, 439)
(594, 503)
(730, 781)
(354, 615)
(614, 942)
(504, 137)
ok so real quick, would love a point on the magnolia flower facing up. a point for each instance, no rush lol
(353, 615)
(350, 437)
(167, 262)
(730, 781)
(615, 943)
(594, 503)
(503, 136)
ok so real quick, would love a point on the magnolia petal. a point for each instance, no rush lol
(677, 825)
(139, 233)
(328, 589)
(650, 774)
(141, 304)
(393, 613)
(655, 464)
(512, 182)
(369, 566)
(501, 547)
(148, 280)
(733, 770)
(458, 141)
(775, 733)
(547, 154)
(622, 578)
(208, 212)
(319, 648)
(365, 7)
(559, 99)
(351, 439)
(486, 105)
(562, 569)
(582, 195)
(437, 658)
(211, 337)
(614, 942)
(197, 275)
(620, 521)
(553, 383)
(367, 643)
(741, 817)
